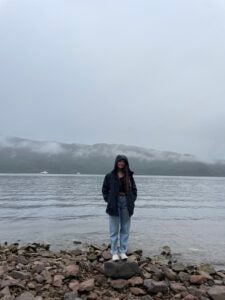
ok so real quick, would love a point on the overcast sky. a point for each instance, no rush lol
(145, 73)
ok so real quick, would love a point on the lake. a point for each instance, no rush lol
(185, 213)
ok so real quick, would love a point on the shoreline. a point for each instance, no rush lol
(33, 271)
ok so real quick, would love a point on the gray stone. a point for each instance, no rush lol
(155, 287)
(121, 269)
(217, 292)
(25, 296)
(71, 296)
(170, 274)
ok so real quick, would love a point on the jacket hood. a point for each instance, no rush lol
(122, 157)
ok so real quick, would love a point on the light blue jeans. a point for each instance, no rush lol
(119, 228)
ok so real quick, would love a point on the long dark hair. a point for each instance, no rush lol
(127, 178)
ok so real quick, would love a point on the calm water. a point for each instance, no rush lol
(186, 213)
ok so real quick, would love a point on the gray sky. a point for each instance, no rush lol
(145, 73)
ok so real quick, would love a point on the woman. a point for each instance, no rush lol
(120, 192)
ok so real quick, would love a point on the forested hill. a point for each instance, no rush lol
(19, 155)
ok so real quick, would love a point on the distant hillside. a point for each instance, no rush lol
(19, 155)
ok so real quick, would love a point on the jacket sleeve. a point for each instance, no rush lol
(134, 188)
(105, 188)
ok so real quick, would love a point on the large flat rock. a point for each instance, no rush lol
(121, 269)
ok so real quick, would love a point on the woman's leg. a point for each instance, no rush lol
(113, 233)
(125, 222)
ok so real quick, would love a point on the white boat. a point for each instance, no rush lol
(44, 172)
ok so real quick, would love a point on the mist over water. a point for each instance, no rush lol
(186, 213)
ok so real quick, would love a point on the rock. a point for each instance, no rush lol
(25, 296)
(132, 258)
(106, 255)
(208, 268)
(197, 279)
(169, 273)
(178, 267)
(137, 291)
(5, 291)
(121, 269)
(57, 281)
(119, 284)
(71, 270)
(206, 275)
(160, 259)
(177, 287)
(155, 287)
(197, 292)
(38, 266)
(217, 292)
(183, 276)
(190, 297)
(20, 275)
(22, 260)
(2, 270)
(8, 297)
(87, 285)
(135, 281)
(166, 250)
(39, 278)
(92, 257)
(31, 285)
(146, 274)
(92, 296)
(146, 297)
(47, 276)
(71, 296)
(74, 285)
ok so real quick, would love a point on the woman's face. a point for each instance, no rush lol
(121, 164)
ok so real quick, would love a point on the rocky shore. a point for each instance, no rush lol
(34, 272)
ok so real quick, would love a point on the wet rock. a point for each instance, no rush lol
(178, 267)
(120, 269)
(169, 273)
(166, 250)
(217, 292)
(155, 287)
(160, 259)
(208, 268)
(87, 285)
(183, 276)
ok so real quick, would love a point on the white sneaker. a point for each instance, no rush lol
(115, 257)
(123, 256)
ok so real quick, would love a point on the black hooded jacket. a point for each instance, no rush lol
(110, 190)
